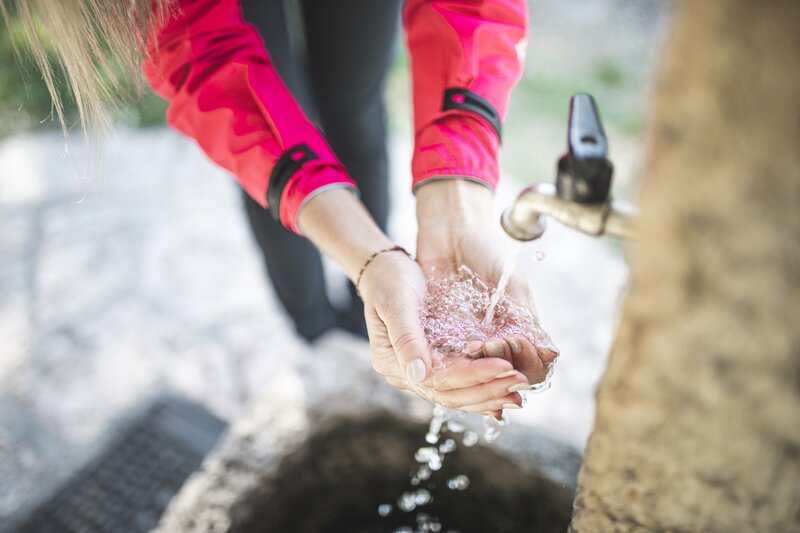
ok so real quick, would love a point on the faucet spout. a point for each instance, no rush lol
(580, 197)
(524, 219)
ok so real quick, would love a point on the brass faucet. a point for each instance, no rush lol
(580, 197)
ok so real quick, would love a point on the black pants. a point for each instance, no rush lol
(333, 56)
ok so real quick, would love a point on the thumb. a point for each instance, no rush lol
(408, 340)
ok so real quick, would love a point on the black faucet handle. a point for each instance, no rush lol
(584, 172)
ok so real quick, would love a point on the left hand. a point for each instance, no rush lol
(392, 287)
(456, 227)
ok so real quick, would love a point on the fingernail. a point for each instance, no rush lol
(506, 374)
(549, 345)
(511, 406)
(518, 387)
(473, 347)
(516, 347)
(415, 371)
(547, 354)
(494, 349)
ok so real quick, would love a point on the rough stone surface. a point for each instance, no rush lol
(698, 419)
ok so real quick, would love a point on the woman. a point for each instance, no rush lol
(226, 91)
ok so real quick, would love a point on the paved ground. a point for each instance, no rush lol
(114, 290)
(151, 283)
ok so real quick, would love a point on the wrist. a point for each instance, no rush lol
(446, 205)
(341, 227)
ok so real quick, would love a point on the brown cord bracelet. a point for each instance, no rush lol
(395, 248)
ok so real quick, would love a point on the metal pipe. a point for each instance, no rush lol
(524, 219)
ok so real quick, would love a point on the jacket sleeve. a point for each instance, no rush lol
(466, 56)
(222, 90)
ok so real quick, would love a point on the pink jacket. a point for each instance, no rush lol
(212, 67)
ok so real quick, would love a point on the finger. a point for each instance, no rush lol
(526, 358)
(408, 340)
(384, 359)
(497, 348)
(509, 401)
(401, 384)
(497, 415)
(547, 354)
(484, 392)
(465, 372)
(474, 349)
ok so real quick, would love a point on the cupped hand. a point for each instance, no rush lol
(392, 287)
(456, 227)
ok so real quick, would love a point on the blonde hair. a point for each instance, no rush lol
(99, 45)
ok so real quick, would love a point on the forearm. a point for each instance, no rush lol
(340, 226)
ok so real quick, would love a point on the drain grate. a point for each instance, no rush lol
(128, 486)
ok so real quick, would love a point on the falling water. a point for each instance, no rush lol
(508, 268)
(445, 428)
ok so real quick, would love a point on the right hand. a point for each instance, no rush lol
(393, 287)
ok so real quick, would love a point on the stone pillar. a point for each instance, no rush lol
(698, 416)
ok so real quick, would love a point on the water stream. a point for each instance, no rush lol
(508, 268)
(445, 427)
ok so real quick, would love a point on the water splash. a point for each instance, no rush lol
(457, 306)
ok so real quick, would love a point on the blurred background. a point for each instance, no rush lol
(141, 277)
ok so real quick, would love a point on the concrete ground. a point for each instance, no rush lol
(149, 282)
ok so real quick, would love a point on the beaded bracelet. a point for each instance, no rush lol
(395, 248)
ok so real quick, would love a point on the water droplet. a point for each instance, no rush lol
(455, 426)
(491, 435)
(422, 497)
(460, 482)
(385, 509)
(540, 255)
(424, 455)
(423, 473)
(447, 446)
(470, 439)
(406, 502)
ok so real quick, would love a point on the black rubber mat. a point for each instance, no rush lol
(128, 486)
